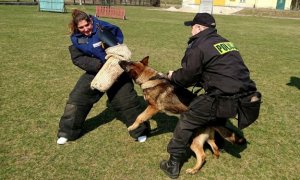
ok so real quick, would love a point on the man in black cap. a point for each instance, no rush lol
(215, 64)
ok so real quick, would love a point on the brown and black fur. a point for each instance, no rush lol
(162, 96)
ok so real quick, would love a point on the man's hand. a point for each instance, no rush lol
(170, 74)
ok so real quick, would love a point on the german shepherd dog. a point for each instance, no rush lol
(161, 95)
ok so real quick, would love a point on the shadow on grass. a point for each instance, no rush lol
(232, 149)
(294, 81)
(106, 116)
(225, 146)
(165, 124)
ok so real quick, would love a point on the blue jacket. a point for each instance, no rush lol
(91, 45)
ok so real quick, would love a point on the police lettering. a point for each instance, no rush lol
(225, 47)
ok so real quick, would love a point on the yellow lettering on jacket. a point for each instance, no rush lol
(225, 47)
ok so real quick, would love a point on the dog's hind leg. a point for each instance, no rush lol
(197, 148)
(212, 143)
(229, 135)
(144, 116)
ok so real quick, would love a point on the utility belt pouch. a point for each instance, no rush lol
(226, 106)
(248, 109)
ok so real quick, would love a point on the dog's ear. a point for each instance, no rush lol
(145, 61)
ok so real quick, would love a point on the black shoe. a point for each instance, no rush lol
(171, 167)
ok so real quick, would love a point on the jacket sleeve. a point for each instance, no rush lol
(84, 62)
(118, 33)
(191, 69)
(115, 31)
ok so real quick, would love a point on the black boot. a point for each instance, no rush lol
(172, 166)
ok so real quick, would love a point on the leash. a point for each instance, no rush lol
(159, 75)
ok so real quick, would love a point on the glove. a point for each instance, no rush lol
(111, 69)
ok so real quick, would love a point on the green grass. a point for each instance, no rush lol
(37, 76)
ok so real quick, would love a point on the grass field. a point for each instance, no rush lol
(37, 76)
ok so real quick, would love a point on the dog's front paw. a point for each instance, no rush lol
(216, 155)
(133, 127)
(191, 171)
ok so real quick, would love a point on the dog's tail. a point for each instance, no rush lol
(230, 135)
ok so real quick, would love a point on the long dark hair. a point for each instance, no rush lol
(77, 16)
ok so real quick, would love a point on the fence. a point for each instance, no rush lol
(155, 3)
(112, 12)
(52, 5)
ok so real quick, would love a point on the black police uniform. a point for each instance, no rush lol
(216, 64)
(122, 97)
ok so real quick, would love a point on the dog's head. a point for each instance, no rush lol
(139, 71)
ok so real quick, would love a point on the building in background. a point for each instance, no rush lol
(271, 4)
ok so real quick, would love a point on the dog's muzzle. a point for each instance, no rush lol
(124, 65)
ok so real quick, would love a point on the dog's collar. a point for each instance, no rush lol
(158, 76)
(152, 83)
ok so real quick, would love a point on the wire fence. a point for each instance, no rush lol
(119, 2)
(18, 1)
(155, 3)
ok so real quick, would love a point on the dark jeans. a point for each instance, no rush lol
(200, 114)
(121, 96)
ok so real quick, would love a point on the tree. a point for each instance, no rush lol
(295, 5)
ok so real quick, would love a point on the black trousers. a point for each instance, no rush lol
(201, 113)
(121, 96)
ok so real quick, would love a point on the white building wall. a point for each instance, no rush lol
(190, 4)
(257, 3)
(271, 4)
(266, 4)
(288, 4)
(239, 3)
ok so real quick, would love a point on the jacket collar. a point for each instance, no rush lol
(202, 34)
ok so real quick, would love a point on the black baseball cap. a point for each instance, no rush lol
(204, 19)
